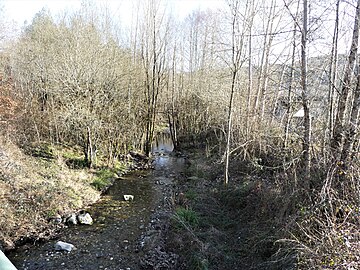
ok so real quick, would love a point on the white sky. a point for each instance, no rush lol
(24, 10)
(20, 11)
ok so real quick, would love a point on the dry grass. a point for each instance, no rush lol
(34, 189)
(326, 233)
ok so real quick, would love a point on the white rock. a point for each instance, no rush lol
(128, 197)
(85, 218)
(60, 245)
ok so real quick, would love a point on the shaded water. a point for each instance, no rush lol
(112, 241)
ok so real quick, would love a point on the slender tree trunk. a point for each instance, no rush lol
(172, 113)
(250, 82)
(290, 89)
(276, 99)
(153, 56)
(262, 78)
(352, 129)
(234, 69)
(89, 150)
(340, 121)
(329, 128)
(237, 43)
(305, 97)
(229, 127)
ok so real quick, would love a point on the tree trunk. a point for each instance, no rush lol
(237, 42)
(305, 97)
(337, 141)
(250, 79)
(329, 128)
(352, 128)
(88, 150)
(290, 89)
(229, 127)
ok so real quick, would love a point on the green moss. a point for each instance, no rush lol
(74, 159)
(120, 167)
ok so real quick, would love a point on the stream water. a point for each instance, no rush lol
(113, 241)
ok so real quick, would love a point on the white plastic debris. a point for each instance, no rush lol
(128, 197)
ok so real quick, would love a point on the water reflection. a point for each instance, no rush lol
(164, 160)
(162, 144)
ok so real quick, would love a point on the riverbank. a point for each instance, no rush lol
(232, 227)
(182, 217)
(126, 234)
(40, 185)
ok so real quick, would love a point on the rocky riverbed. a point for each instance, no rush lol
(125, 234)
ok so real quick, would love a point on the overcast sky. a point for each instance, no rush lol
(22, 11)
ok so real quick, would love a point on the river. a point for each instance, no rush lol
(116, 239)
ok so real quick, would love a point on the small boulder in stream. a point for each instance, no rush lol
(84, 218)
(63, 246)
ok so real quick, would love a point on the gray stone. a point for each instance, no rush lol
(63, 246)
(84, 218)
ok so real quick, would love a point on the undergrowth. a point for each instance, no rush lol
(264, 219)
(228, 227)
(186, 217)
(326, 232)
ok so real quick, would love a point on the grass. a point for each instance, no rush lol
(120, 168)
(43, 150)
(191, 194)
(74, 158)
(228, 227)
(186, 217)
(199, 263)
(103, 179)
(37, 186)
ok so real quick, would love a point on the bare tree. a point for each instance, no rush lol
(290, 86)
(329, 129)
(237, 59)
(352, 127)
(305, 94)
(154, 46)
(340, 124)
